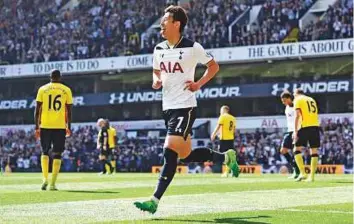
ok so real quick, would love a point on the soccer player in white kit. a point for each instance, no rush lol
(287, 144)
(174, 63)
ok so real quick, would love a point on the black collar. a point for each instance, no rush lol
(176, 45)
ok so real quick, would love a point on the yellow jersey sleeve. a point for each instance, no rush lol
(39, 97)
(221, 120)
(298, 103)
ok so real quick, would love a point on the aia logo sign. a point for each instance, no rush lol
(170, 67)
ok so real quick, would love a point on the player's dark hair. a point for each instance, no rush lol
(107, 122)
(55, 74)
(178, 14)
(286, 95)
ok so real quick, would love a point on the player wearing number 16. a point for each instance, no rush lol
(307, 132)
(53, 123)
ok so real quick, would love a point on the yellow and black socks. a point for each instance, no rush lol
(300, 162)
(110, 167)
(227, 170)
(107, 167)
(292, 162)
(113, 163)
(55, 170)
(314, 161)
(45, 167)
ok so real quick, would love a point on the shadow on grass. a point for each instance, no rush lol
(237, 220)
(93, 192)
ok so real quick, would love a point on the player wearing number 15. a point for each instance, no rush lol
(53, 123)
(308, 133)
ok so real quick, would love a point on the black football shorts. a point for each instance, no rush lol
(308, 136)
(288, 141)
(180, 121)
(52, 139)
(226, 145)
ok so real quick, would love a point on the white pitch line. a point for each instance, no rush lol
(134, 184)
(177, 205)
(316, 211)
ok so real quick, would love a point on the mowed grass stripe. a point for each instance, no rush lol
(178, 187)
(123, 209)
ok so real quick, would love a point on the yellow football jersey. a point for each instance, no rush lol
(54, 98)
(309, 110)
(111, 137)
(228, 125)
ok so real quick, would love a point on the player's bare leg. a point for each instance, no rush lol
(177, 147)
(203, 154)
(300, 163)
(314, 161)
(291, 161)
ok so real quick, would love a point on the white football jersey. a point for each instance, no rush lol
(177, 65)
(290, 118)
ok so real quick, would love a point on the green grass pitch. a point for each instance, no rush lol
(191, 198)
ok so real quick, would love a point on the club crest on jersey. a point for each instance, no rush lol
(180, 55)
(170, 67)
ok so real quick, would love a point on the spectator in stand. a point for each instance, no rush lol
(337, 23)
(275, 22)
(94, 28)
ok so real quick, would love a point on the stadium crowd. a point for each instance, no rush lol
(337, 23)
(22, 152)
(41, 30)
(274, 23)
